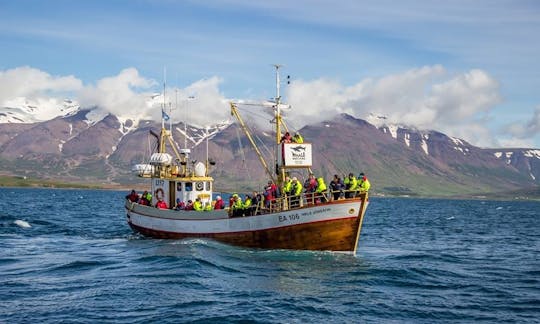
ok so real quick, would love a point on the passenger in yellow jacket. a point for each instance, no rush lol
(287, 186)
(351, 185)
(197, 205)
(296, 191)
(364, 184)
(247, 206)
(297, 138)
(321, 189)
(237, 206)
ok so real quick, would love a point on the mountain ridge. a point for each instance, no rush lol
(399, 160)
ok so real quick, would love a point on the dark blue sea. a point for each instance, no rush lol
(69, 256)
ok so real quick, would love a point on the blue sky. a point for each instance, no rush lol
(467, 68)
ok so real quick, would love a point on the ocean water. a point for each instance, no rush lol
(69, 256)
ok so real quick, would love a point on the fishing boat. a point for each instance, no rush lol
(306, 221)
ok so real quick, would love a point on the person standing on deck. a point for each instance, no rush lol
(133, 196)
(296, 192)
(247, 206)
(287, 188)
(179, 205)
(237, 206)
(297, 138)
(320, 193)
(286, 138)
(311, 188)
(336, 186)
(161, 204)
(197, 205)
(220, 204)
(351, 185)
(363, 183)
(270, 194)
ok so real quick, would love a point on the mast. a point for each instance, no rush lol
(163, 130)
(281, 170)
(278, 102)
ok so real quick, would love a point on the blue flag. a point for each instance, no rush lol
(164, 115)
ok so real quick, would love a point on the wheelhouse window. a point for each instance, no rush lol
(199, 186)
(189, 186)
(208, 186)
(179, 186)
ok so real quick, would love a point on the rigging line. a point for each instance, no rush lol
(150, 148)
(331, 162)
(251, 112)
(268, 151)
(241, 148)
(261, 142)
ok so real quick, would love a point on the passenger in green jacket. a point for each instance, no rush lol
(247, 206)
(297, 138)
(197, 205)
(287, 186)
(320, 193)
(363, 183)
(351, 185)
(296, 191)
(237, 206)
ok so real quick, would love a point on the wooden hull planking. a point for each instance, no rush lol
(330, 227)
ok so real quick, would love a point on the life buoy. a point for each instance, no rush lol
(159, 194)
(199, 186)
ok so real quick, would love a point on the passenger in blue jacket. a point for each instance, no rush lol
(336, 186)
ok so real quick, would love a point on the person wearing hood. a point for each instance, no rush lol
(297, 138)
(133, 196)
(197, 205)
(321, 190)
(351, 185)
(220, 204)
(363, 183)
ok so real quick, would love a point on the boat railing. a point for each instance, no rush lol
(305, 199)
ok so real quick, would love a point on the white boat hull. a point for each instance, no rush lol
(329, 226)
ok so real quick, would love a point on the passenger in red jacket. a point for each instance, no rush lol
(133, 196)
(161, 204)
(220, 204)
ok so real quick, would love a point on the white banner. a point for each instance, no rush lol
(295, 155)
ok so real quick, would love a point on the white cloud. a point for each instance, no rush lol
(34, 84)
(128, 95)
(521, 134)
(120, 95)
(426, 98)
(208, 105)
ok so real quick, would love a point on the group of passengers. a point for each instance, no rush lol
(350, 187)
(287, 138)
(314, 189)
(198, 205)
(144, 199)
(247, 207)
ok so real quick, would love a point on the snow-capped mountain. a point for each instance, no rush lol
(22, 110)
(88, 144)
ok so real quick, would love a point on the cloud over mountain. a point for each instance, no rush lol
(33, 83)
(429, 97)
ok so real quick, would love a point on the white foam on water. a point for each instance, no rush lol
(21, 223)
(499, 208)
